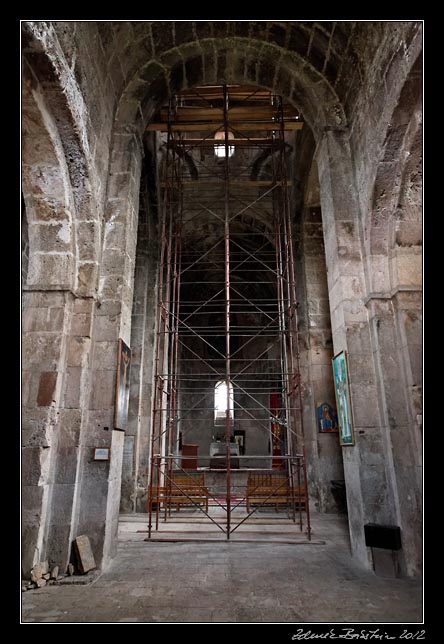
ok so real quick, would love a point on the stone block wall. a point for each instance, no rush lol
(325, 454)
(70, 341)
(136, 452)
(89, 89)
(324, 458)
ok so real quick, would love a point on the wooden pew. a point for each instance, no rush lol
(183, 489)
(273, 489)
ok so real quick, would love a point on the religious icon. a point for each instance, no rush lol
(343, 403)
(327, 418)
(277, 431)
(122, 386)
(239, 438)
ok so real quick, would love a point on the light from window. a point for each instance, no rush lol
(219, 150)
(222, 398)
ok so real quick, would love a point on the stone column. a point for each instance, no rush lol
(45, 325)
(137, 439)
(98, 492)
(370, 497)
(324, 457)
(75, 391)
(397, 350)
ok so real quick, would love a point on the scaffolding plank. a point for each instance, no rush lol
(200, 184)
(212, 126)
(210, 142)
(245, 113)
(217, 92)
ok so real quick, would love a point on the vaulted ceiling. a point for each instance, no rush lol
(318, 66)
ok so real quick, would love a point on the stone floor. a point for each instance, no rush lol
(231, 582)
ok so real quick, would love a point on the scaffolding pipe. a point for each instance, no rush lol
(233, 268)
(227, 313)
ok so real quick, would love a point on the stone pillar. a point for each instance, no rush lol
(45, 325)
(324, 458)
(76, 387)
(98, 492)
(142, 456)
(396, 340)
(137, 438)
(369, 494)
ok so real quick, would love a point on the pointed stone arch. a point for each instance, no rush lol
(232, 61)
(394, 216)
(61, 204)
(393, 248)
(61, 218)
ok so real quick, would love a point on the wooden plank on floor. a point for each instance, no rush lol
(85, 557)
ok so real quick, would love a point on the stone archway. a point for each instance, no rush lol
(211, 61)
(393, 247)
(341, 221)
(325, 69)
(58, 298)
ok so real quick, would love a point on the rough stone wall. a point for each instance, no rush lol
(44, 324)
(368, 498)
(76, 52)
(324, 458)
(391, 181)
(112, 320)
(65, 159)
(48, 315)
(325, 455)
(170, 56)
(373, 490)
(393, 49)
(251, 416)
(393, 245)
(90, 243)
(136, 458)
(25, 245)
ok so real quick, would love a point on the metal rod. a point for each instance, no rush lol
(227, 314)
(157, 350)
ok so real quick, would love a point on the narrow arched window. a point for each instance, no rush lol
(223, 399)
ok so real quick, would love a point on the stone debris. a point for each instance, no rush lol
(41, 576)
(37, 572)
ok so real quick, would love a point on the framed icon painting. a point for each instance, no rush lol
(122, 386)
(343, 403)
(327, 418)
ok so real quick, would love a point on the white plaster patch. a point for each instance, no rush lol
(65, 232)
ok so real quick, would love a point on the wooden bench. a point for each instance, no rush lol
(182, 489)
(273, 489)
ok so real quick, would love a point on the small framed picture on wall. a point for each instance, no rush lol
(327, 418)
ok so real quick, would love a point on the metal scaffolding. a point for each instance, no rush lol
(227, 313)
